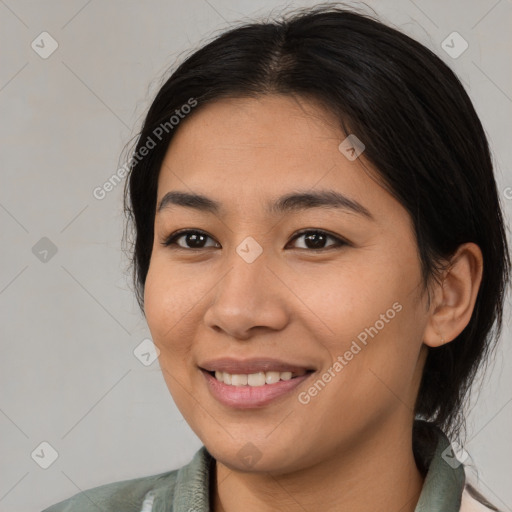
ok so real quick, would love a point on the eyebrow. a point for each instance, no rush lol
(291, 202)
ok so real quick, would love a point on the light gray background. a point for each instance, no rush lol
(69, 326)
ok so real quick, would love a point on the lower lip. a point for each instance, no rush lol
(247, 397)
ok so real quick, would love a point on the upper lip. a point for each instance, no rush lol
(254, 365)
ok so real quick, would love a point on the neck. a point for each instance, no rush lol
(378, 474)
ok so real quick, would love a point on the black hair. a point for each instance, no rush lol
(421, 134)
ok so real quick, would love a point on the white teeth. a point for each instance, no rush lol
(239, 380)
(271, 377)
(253, 379)
(256, 379)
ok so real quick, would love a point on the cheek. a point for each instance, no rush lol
(172, 302)
(165, 310)
(155, 303)
(164, 306)
(371, 318)
(349, 298)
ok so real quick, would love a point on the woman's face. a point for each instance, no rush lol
(343, 299)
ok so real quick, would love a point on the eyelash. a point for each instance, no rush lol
(173, 237)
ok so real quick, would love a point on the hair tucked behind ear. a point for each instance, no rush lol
(424, 444)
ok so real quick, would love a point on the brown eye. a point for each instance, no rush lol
(193, 239)
(316, 239)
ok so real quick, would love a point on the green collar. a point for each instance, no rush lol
(442, 489)
(444, 482)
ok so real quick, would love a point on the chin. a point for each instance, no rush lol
(246, 455)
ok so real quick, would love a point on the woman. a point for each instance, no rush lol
(320, 256)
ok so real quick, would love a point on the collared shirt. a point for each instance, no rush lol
(187, 489)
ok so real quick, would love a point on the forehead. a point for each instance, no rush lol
(244, 149)
(276, 123)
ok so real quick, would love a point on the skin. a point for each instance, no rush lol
(299, 304)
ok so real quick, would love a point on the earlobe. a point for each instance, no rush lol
(455, 296)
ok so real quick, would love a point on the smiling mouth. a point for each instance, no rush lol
(255, 379)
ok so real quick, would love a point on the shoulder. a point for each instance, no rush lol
(185, 488)
(121, 496)
(473, 501)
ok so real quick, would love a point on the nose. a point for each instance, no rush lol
(249, 298)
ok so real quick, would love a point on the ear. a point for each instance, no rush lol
(455, 296)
